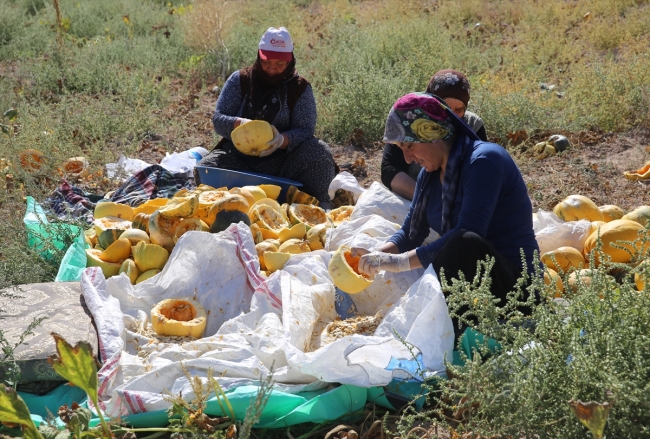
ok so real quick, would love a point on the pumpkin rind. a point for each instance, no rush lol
(116, 210)
(130, 269)
(161, 229)
(180, 207)
(118, 251)
(93, 260)
(107, 237)
(149, 256)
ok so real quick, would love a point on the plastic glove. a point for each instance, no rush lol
(359, 251)
(372, 263)
(273, 144)
(242, 121)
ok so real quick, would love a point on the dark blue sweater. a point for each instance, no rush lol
(492, 201)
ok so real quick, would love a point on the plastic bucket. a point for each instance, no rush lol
(217, 177)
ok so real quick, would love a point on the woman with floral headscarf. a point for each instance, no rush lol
(451, 85)
(469, 191)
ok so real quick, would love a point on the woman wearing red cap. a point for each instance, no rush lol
(272, 90)
(452, 86)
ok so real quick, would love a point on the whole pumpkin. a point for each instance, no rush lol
(614, 232)
(577, 207)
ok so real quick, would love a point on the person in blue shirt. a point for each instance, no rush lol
(272, 90)
(469, 191)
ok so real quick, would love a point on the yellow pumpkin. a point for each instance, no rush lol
(262, 247)
(641, 275)
(110, 222)
(115, 210)
(252, 137)
(250, 199)
(161, 229)
(107, 237)
(149, 256)
(257, 234)
(307, 214)
(317, 235)
(294, 246)
(147, 275)
(641, 215)
(141, 221)
(344, 271)
(256, 192)
(551, 277)
(295, 195)
(187, 225)
(296, 232)
(268, 217)
(93, 260)
(118, 251)
(150, 206)
(611, 212)
(130, 269)
(340, 214)
(565, 258)
(179, 317)
(611, 232)
(580, 276)
(577, 207)
(275, 261)
(271, 190)
(229, 203)
(180, 207)
(135, 236)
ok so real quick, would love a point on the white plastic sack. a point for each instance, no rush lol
(125, 167)
(552, 232)
(378, 200)
(183, 162)
(257, 323)
(346, 181)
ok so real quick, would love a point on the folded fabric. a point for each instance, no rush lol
(151, 182)
(68, 201)
(640, 174)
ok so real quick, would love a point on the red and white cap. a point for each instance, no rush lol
(276, 44)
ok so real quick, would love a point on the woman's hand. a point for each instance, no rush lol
(273, 144)
(241, 121)
(373, 262)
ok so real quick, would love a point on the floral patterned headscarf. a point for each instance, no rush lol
(418, 118)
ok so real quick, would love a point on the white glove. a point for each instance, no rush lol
(273, 144)
(372, 263)
(243, 120)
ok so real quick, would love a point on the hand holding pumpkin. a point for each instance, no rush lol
(374, 262)
(273, 144)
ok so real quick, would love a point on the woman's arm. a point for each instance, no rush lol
(394, 172)
(225, 117)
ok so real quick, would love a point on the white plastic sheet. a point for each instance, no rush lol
(258, 323)
(346, 181)
(552, 232)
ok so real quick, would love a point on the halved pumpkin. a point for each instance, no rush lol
(340, 214)
(298, 231)
(118, 251)
(116, 210)
(135, 236)
(317, 235)
(93, 260)
(110, 222)
(263, 247)
(231, 202)
(271, 190)
(187, 225)
(150, 206)
(180, 207)
(344, 271)
(268, 215)
(307, 214)
(179, 317)
(161, 229)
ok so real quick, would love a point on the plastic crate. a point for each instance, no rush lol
(217, 177)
